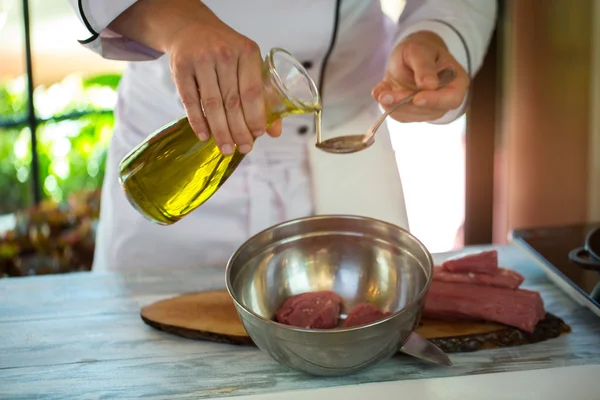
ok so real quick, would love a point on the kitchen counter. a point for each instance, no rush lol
(79, 336)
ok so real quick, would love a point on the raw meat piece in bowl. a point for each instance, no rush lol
(363, 314)
(312, 310)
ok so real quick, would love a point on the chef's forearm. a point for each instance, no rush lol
(155, 23)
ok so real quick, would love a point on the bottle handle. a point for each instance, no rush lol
(582, 257)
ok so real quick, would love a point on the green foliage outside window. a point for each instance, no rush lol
(71, 151)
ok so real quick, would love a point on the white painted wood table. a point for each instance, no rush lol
(79, 336)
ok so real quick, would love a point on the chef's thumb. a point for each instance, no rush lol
(275, 129)
(422, 61)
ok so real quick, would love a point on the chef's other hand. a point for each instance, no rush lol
(414, 64)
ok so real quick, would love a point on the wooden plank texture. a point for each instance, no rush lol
(80, 336)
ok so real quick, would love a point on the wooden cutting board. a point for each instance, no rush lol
(212, 316)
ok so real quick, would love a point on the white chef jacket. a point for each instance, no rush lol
(345, 45)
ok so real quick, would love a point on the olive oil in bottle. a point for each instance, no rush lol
(172, 172)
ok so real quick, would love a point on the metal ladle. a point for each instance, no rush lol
(353, 143)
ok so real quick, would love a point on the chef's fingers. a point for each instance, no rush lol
(423, 62)
(187, 88)
(448, 97)
(227, 74)
(410, 108)
(212, 101)
(250, 86)
(275, 129)
(388, 96)
(411, 113)
(379, 88)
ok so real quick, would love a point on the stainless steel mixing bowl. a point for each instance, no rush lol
(361, 259)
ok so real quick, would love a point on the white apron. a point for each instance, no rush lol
(282, 178)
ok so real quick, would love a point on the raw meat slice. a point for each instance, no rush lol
(503, 277)
(482, 262)
(520, 308)
(363, 314)
(313, 310)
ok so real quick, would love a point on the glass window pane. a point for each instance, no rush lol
(15, 143)
(15, 160)
(72, 154)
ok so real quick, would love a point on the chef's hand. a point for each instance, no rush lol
(215, 68)
(414, 64)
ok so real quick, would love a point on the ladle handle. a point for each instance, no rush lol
(383, 116)
(445, 76)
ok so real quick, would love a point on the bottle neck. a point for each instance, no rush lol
(278, 102)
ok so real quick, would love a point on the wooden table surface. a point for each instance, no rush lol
(79, 336)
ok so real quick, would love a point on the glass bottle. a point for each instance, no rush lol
(172, 172)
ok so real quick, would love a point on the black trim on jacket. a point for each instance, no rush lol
(331, 46)
(464, 42)
(336, 23)
(87, 25)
